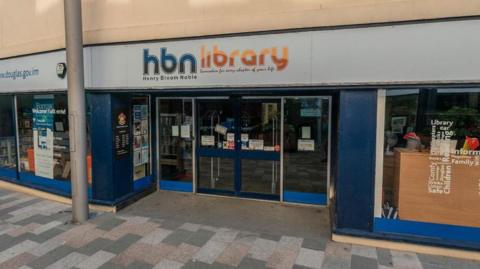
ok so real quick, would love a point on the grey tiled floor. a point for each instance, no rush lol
(35, 233)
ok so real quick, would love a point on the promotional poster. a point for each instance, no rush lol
(43, 118)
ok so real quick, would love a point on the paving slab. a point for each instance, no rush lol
(157, 237)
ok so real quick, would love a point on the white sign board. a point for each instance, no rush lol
(409, 53)
(426, 52)
(32, 73)
(242, 61)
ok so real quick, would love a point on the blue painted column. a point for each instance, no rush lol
(355, 173)
(112, 175)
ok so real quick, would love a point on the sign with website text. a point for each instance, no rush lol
(348, 56)
(32, 73)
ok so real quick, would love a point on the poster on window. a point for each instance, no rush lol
(137, 157)
(137, 113)
(311, 107)
(145, 154)
(43, 120)
(141, 141)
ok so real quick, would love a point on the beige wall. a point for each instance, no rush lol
(28, 26)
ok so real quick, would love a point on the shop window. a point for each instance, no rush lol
(431, 156)
(43, 135)
(306, 149)
(260, 124)
(141, 137)
(175, 147)
(8, 156)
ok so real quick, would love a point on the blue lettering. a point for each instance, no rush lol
(167, 62)
(193, 63)
(147, 58)
(168, 57)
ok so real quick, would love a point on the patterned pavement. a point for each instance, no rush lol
(36, 233)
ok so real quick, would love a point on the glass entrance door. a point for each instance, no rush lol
(216, 154)
(260, 125)
(244, 143)
(239, 151)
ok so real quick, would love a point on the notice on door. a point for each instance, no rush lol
(208, 140)
(306, 132)
(185, 131)
(255, 144)
(306, 145)
(221, 129)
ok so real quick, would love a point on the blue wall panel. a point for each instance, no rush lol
(356, 159)
(8, 173)
(429, 230)
(51, 185)
(102, 147)
(142, 183)
(176, 186)
(305, 197)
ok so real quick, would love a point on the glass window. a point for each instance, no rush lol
(8, 156)
(431, 167)
(216, 124)
(43, 135)
(260, 176)
(260, 131)
(260, 124)
(175, 139)
(141, 137)
(216, 173)
(305, 157)
(216, 128)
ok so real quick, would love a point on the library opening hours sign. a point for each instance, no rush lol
(121, 133)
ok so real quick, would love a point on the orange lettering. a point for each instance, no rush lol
(283, 61)
(208, 59)
(261, 60)
(219, 57)
(232, 57)
(202, 56)
(250, 54)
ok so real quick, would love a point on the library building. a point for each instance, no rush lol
(381, 124)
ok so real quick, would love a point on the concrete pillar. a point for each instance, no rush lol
(76, 109)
